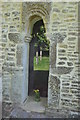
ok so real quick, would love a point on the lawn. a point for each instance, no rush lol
(42, 65)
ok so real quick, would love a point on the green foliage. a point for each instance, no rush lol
(42, 39)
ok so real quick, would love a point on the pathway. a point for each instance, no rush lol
(33, 106)
(32, 109)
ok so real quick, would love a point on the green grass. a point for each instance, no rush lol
(42, 65)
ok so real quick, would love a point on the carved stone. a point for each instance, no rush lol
(15, 37)
(27, 38)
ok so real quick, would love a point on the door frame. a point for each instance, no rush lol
(30, 19)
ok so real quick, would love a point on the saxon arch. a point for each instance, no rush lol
(34, 12)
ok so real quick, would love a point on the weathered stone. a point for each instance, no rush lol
(56, 10)
(71, 46)
(71, 59)
(62, 50)
(71, 43)
(12, 26)
(3, 44)
(62, 70)
(65, 84)
(53, 55)
(58, 38)
(61, 63)
(12, 45)
(63, 30)
(72, 11)
(15, 13)
(10, 58)
(69, 20)
(56, 23)
(76, 52)
(7, 14)
(14, 37)
(4, 39)
(65, 11)
(62, 58)
(12, 49)
(70, 63)
(60, 54)
(11, 54)
(54, 85)
(71, 38)
(9, 64)
(54, 29)
(78, 63)
(65, 91)
(4, 36)
(16, 18)
(19, 54)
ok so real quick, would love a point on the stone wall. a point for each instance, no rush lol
(11, 50)
(64, 61)
(62, 30)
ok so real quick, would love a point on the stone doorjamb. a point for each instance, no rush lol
(27, 39)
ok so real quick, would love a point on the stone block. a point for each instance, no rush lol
(63, 58)
(53, 55)
(70, 63)
(16, 84)
(19, 54)
(16, 13)
(59, 37)
(61, 63)
(56, 10)
(54, 87)
(15, 37)
(61, 70)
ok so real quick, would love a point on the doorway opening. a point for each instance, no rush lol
(38, 60)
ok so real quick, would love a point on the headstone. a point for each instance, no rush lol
(36, 57)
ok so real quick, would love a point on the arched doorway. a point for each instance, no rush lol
(34, 13)
(38, 60)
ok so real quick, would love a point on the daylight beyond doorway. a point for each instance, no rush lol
(39, 60)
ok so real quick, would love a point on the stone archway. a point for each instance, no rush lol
(38, 72)
(34, 12)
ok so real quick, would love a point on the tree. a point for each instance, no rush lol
(42, 39)
(42, 43)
